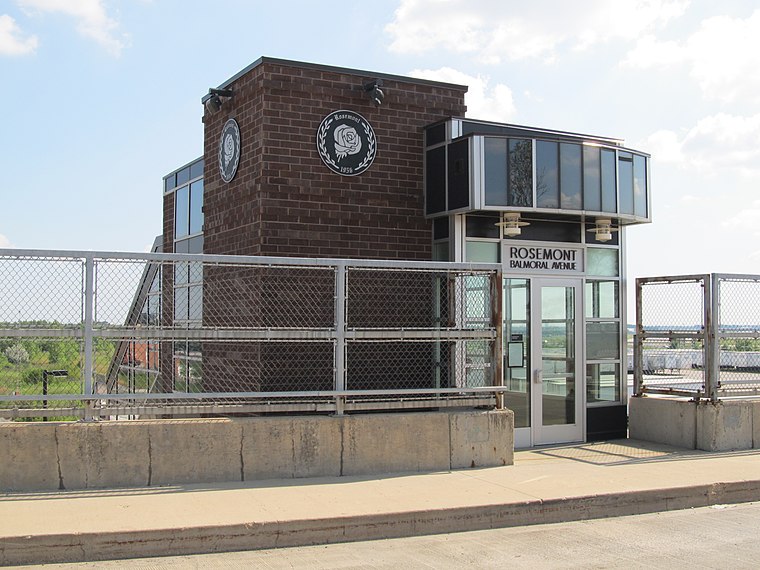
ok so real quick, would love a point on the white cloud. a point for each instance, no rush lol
(12, 40)
(747, 219)
(483, 101)
(723, 56)
(497, 29)
(92, 20)
(718, 142)
(4, 241)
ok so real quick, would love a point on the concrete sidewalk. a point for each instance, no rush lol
(545, 485)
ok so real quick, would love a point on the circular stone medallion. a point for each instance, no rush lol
(346, 143)
(229, 150)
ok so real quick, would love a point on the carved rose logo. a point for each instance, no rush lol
(347, 141)
(229, 149)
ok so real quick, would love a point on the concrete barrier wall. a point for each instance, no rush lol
(45, 456)
(721, 426)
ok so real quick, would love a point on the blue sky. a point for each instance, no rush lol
(101, 98)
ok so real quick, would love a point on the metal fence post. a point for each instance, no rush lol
(497, 351)
(712, 338)
(89, 296)
(339, 380)
(638, 343)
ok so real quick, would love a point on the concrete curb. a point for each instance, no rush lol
(80, 547)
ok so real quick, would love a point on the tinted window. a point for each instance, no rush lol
(547, 175)
(435, 180)
(520, 173)
(639, 186)
(609, 202)
(540, 230)
(196, 207)
(196, 170)
(496, 171)
(181, 210)
(592, 194)
(435, 135)
(170, 182)
(183, 176)
(440, 228)
(625, 182)
(459, 175)
(570, 176)
(482, 226)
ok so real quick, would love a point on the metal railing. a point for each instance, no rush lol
(142, 335)
(698, 336)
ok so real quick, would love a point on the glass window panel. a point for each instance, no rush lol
(602, 300)
(459, 175)
(520, 172)
(441, 251)
(516, 315)
(181, 213)
(640, 186)
(441, 228)
(540, 230)
(181, 274)
(195, 308)
(195, 379)
(170, 182)
(435, 134)
(547, 175)
(609, 202)
(483, 251)
(625, 175)
(154, 310)
(155, 285)
(602, 341)
(195, 245)
(196, 207)
(592, 193)
(570, 176)
(180, 304)
(602, 383)
(196, 272)
(435, 180)
(181, 246)
(603, 262)
(183, 176)
(496, 171)
(196, 170)
(482, 226)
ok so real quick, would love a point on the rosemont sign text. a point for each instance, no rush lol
(544, 258)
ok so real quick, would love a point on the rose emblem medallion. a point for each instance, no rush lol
(229, 150)
(346, 143)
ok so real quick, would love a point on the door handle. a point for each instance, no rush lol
(537, 376)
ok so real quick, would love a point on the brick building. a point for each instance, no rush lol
(315, 161)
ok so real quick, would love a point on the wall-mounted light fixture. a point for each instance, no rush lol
(511, 223)
(372, 89)
(603, 229)
(214, 102)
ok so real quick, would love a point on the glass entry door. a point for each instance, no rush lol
(557, 382)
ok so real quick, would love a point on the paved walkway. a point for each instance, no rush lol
(545, 485)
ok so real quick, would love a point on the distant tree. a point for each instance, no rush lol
(16, 354)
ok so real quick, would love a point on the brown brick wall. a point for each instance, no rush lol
(285, 201)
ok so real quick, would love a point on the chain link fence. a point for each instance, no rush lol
(154, 335)
(698, 336)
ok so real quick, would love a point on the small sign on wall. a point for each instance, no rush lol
(346, 143)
